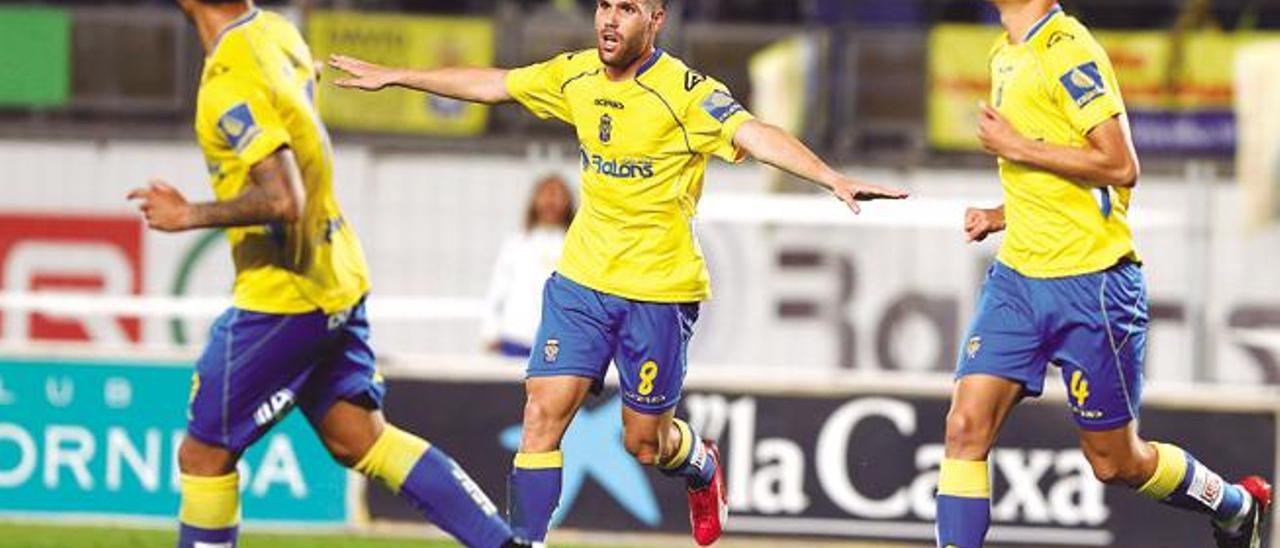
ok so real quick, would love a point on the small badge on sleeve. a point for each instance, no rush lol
(1084, 83)
(721, 106)
(238, 126)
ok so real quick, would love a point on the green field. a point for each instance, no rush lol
(26, 535)
(48, 536)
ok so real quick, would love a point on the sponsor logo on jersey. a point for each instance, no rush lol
(692, 78)
(618, 168)
(1059, 36)
(238, 127)
(1084, 84)
(720, 105)
(610, 103)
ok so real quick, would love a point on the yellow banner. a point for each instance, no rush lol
(1258, 155)
(402, 41)
(1160, 75)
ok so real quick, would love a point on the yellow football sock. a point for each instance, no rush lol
(1171, 469)
(965, 478)
(540, 461)
(210, 503)
(392, 457)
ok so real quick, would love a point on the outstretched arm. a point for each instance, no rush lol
(474, 84)
(274, 195)
(1109, 160)
(774, 146)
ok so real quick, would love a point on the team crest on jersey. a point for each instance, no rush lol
(606, 128)
(721, 106)
(1084, 84)
(551, 350)
(692, 78)
(971, 349)
(238, 126)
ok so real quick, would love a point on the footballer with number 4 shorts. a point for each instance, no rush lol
(629, 283)
(1067, 286)
(297, 334)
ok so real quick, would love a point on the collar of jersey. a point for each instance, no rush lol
(1057, 8)
(648, 64)
(233, 25)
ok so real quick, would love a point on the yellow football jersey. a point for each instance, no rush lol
(645, 144)
(1056, 87)
(257, 94)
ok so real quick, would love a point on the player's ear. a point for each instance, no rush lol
(659, 14)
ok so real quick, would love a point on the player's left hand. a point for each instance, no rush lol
(164, 208)
(997, 135)
(851, 191)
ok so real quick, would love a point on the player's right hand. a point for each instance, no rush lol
(163, 206)
(980, 223)
(852, 191)
(364, 75)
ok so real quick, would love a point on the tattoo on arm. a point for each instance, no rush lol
(274, 194)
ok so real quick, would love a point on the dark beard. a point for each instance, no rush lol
(627, 60)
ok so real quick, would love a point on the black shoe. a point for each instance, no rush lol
(1251, 531)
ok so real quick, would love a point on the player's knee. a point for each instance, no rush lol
(968, 436)
(645, 450)
(1107, 471)
(199, 459)
(346, 454)
(1116, 470)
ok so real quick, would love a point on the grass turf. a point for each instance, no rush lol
(13, 535)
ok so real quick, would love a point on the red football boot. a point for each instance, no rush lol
(1252, 530)
(709, 506)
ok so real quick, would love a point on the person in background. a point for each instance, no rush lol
(527, 259)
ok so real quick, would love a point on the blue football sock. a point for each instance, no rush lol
(1182, 482)
(534, 488)
(190, 536)
(691, 460)
(436, 486)
(964, 503)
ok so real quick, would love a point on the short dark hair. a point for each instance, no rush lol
(221, 1)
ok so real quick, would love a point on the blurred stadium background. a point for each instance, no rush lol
(822, 363)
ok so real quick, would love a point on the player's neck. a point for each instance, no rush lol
(629, 72)
(1018, 18)
(215, 18)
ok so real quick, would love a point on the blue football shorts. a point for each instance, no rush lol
(582, 330)
(1093, 326)
(257, 367)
